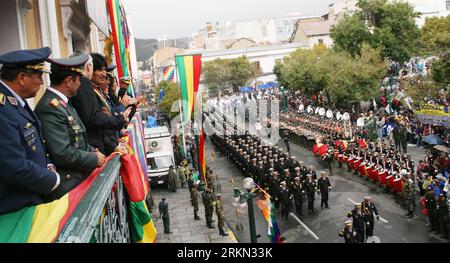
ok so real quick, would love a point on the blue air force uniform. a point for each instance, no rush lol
(24, 176)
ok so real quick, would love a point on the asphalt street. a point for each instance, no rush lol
(325, 224)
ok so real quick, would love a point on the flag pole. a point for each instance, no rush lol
(181, 111)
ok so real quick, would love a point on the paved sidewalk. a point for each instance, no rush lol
(185, 229)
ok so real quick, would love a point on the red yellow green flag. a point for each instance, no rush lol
(189, 70)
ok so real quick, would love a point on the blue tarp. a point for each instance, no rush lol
(246, 89)
(151, 122)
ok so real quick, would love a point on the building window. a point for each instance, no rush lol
(448, 5)
(320, 41)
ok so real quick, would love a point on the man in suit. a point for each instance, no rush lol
(90, 110)
(27, 175)
(65, 134)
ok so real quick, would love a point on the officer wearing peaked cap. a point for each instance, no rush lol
(27, 175)
(348, 233)
(65, 134)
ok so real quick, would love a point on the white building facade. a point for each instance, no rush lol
(264, 58)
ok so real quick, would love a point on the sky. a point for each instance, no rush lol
(182, 18)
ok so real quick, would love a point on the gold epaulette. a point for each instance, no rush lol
(2, 99)
(54, 103)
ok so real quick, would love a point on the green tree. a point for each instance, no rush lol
(171, 95)
(344, 80)
(278, 71)
(350, 34)
(241, 72)
(216, 74)
(222, 73)
(388, 26)
(436, 35)
(441, 70)
(351, 80)
(300, 72)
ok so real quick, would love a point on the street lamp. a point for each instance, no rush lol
(241, 200)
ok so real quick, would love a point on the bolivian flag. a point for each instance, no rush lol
(189, 70)
(43, 223)
(136, 185)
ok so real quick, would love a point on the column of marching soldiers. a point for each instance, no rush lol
(285, 179)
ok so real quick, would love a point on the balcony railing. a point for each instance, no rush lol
(102, 214)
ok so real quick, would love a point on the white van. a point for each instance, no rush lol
(159, 154)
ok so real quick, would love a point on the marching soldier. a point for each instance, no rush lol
(27, 175)
(324, 186)
(369, 206)
(194, 199)
(359, 221)
(274, 188)
(310, 189)
(220, 216)
(286, 198)
(209, 208)
(298, 195)
(348, 233)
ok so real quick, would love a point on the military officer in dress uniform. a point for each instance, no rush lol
(324, 186)
(359, 217)
(310, 189)
(27, 175)
(369, 206)
(348, 233)
(65, 134)
(286, 199)
(298, 195)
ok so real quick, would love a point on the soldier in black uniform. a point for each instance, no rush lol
(359, 221)
(286, 198)
(274, 188)
(310, 189)
(348, 233)
(369, 206)
(298, 193)
(324, 186)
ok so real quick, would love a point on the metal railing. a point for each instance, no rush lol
(102, 214)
